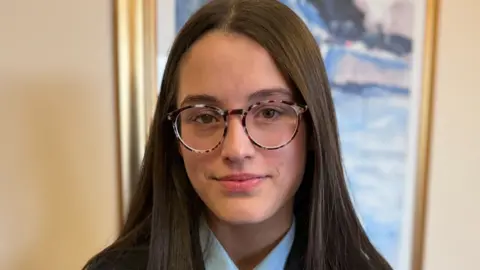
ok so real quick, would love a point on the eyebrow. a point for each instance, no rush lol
(258, 95)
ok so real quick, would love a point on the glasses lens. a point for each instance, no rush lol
(200, 128)
(272, 124)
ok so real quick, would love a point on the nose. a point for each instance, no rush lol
(236, 147)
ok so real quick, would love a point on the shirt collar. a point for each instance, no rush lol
(216, 258)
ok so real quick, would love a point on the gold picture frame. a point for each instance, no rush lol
(136, 83)
(137, 50)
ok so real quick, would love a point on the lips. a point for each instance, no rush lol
(240, 177)
(240, 183)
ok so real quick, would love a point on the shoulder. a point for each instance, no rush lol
(120, 259)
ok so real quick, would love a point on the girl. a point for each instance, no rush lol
(242, 169)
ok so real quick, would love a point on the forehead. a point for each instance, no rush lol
(230, 68)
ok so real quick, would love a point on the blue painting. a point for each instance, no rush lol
(367, 49)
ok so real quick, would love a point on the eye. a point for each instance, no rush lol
(269, 113)
(200, 116)
(205, 118)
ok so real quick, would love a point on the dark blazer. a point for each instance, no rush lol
(137, 259)
(133, 259)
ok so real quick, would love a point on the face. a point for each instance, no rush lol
(238, 181)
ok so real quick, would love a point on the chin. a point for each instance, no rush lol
(241, 220)
(241, 215)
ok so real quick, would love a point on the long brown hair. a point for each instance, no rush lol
(165, 210)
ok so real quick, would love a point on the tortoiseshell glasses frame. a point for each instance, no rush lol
(173, 116)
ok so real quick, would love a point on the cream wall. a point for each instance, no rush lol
(58, 167)
(453, 229)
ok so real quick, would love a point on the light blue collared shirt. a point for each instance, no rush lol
(216, 258)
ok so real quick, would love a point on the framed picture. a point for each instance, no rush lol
(379, 57)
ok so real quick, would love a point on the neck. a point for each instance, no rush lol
(248, 244)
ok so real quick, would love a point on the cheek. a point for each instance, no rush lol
(297, 148)
(195, 164)
(190, 161)
(289, 161)
(298, 154)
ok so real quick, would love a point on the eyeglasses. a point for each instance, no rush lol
(270, 124)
